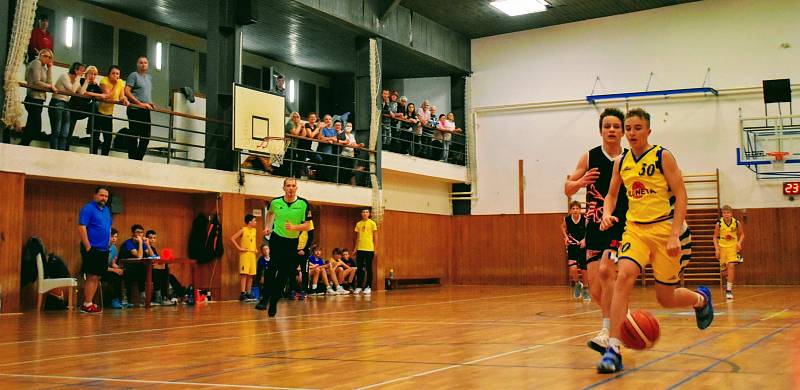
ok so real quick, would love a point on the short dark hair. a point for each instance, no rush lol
(639, 113)
(345, 250)
(101, 187)
(112, 67)
(337, 121)
(149, 233)
(141, 56)
(443, 115)
(73, 69)
(314, 247)
(611, 112)
(248, 218)
(114, 231)
(136, 227)
(336, 251)
(574, 203)
(312, 113)
(43, 17)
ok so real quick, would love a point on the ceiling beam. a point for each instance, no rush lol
(388, 9)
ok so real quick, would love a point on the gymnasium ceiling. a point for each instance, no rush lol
(476, 18)
(292, 33)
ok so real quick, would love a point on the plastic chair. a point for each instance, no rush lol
(44, 286)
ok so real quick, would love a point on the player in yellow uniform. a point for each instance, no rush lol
(728, 239)
(655, 231)
(247, 256)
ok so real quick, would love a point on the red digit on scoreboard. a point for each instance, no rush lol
(791, 188)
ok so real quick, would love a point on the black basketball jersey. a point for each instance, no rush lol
(575, 231)
(596, 192)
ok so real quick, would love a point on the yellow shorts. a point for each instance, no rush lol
(647, 244)
(247, 263)
(727, 255)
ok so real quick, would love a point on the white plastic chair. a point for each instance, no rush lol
(44, 286)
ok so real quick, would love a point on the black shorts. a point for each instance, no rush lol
(598, 241)
(94, 262)
(577, 254)
(283, 249)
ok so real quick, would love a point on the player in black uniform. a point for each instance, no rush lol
(594, 172)
(574, 230)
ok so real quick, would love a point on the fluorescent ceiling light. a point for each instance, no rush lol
(158, 55)
(68, 35)
(520, 7)
(291, 91)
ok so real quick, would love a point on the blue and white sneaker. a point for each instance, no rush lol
(610, 363)
(116, 304)
(577, 290)
(705, 314)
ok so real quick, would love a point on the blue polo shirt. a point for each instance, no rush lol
(98, 224)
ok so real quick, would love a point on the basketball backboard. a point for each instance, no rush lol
(257, 114)
(763, 137)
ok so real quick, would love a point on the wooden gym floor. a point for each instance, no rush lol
(450, 337)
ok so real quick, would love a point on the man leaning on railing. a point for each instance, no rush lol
(139, 91)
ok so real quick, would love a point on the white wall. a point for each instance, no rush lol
(414, 193)
(739, 40)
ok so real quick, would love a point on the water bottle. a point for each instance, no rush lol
(390, 280)
(190, 293)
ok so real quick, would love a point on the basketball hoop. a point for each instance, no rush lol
(275, 147)
(778, 160)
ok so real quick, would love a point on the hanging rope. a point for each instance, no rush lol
(17, 49)
(374, 129)
(471, 159)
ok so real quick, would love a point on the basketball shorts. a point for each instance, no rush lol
(576, 256)
(727, 255)
(647, 244)
(598, 241)
(248, 263)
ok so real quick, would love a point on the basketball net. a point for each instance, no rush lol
(778, 160)
(17, 50)
(275, 148)
(374, 129)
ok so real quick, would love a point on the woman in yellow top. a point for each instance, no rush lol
(247, 256)
(103, 124)
(728, 239)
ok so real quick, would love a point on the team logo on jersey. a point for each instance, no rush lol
(639, 190)
(729, 237)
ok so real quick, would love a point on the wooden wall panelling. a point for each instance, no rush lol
(771, 248)
(414, 245)
(11, 239)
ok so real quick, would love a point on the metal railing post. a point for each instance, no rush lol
(169, 137)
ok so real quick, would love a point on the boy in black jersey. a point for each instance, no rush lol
(593, 172)
(574, 230)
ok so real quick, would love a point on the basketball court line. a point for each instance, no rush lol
(146, 347)
(726, 358)
(578, 314)
(266, 319)
(471, 362)
(680, 351)
(149, 382)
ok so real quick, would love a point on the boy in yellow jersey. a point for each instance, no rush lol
(366, 241)
(728, 239)
(247, 256)
(655, 232)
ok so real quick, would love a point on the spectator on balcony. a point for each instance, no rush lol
(294, 127)
(448, 136)
(348, 155)
(82, 106)
(441, 141)
(434, 119)
(139, 91)
(40, 39)
(401, 107)
(326, 149)
(393, 103)
(424, 116)
(113, 89)
(406, 131)
(59, 116)
(313, 129)
(39, 75)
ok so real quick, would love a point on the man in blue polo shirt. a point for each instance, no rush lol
(94, 227)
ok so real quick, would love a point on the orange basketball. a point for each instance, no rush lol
(640, 330)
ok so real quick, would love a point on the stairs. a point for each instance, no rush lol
(702, 215)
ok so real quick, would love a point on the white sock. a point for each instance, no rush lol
(87, 304)
(606, 323)
(729, 286)
(614, 344)
(313, 286)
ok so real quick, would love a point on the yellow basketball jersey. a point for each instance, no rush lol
(728, 234)
(649, 196)
(248, 240)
